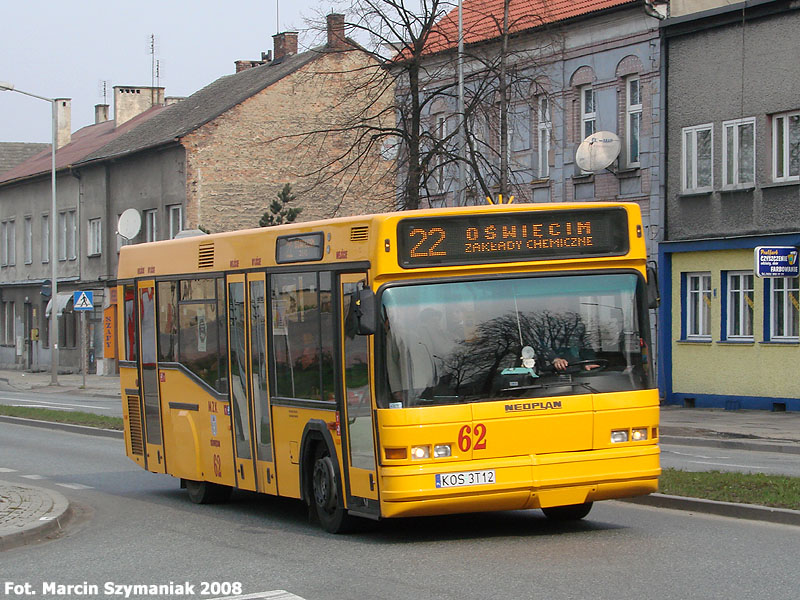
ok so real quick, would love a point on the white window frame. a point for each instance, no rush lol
(9, 318)
(27, 234)
(733, 128)
(781, 147)
(633, 111)
(175, 212)
(439, 133)
(544, 128)
(8, 240)
(587, 115)
(94, 234)
(698, 319)
(72, 235)
(151, 225)
(45, 238)
(741, 305)
(4, 243)
(67, 226)
(689, 159)
(784, 294)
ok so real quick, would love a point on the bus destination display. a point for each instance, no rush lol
(520, 236)
(299, 248)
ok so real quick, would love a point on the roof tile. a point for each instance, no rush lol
(483, 19)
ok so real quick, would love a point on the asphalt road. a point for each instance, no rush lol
(138, 528)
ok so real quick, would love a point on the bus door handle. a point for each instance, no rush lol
(241, 470)
(158, 454)
(371, 482)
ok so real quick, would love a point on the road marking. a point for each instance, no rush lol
(76, 486)
(694, 455)
(43, 406)
(273, 595)
(32, 476)
(719, 464)
(44, 403)
(7, 470)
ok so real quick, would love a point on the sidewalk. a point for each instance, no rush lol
(756, 430)
(71, 383)
(29, 513)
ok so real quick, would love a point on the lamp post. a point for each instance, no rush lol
(9, 87)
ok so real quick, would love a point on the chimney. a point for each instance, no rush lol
(336, 38)
(285, 44)
(64, 111)
(131, 101)
(100, 113)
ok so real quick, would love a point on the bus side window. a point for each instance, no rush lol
(302, 335)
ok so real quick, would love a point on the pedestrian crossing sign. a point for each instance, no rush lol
(82, 301)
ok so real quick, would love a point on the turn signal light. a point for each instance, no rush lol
(639, 435)
(395, 453)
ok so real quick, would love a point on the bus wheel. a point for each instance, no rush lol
(573, 512)
(205, 492)
(332, 516)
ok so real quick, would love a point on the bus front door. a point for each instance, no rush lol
(358, 412)
(148, 377)
(250, 408)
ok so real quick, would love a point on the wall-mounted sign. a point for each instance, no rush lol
(776, 261)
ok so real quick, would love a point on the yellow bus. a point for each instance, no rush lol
(405, 364)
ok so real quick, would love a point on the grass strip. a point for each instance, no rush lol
(62, 416)
(747, 488)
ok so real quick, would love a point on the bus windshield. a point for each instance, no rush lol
(474, 341)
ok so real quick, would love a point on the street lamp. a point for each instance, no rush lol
(9, 87)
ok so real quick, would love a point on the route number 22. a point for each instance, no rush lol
(467, 434)
(434, 236)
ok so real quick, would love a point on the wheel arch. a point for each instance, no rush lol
(316, 433)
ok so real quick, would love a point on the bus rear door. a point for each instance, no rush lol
(358, 413)
(250, 407)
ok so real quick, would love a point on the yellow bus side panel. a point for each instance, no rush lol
(197, 443)
(131, 414)
(288, 425)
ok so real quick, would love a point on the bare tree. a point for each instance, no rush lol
(416, 48)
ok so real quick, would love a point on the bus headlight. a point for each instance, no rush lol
(639, 434)
(420, 452)
(619, 436)
(442, 451)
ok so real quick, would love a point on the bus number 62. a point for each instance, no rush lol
(466, 435)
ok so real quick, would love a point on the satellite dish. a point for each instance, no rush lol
(129, 224)
(598, 151)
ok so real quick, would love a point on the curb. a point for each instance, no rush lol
(756, 446)
(52, 521)
(782, 516)
(81, 429)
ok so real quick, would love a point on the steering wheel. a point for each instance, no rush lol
(601, 363)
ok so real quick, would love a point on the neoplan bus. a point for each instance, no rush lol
(404, 364)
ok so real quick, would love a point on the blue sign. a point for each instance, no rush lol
(82, 301)
(777, 261)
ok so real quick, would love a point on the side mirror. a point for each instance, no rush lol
(653, 295)
(365, 311)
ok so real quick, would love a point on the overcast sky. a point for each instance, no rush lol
(67, 48)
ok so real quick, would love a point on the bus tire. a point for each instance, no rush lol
(205, 492)
(571, 512)
(326, 497)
